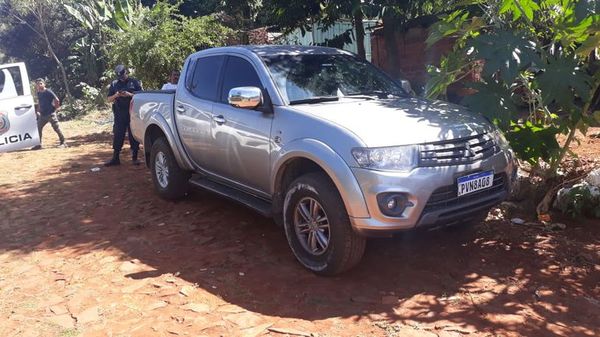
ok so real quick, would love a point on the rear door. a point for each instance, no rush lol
(18, 125)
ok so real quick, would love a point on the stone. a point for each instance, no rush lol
(186, 290)
(517, 221)
(128, 267)
(230, 308)
(132, 288)
(156, 305)
(256, 331)
(244, 320)
(287, 331)
(65, 321)
(89, 315)
(593, 178)
(197, 307)
(59, 309)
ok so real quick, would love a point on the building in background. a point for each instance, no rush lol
(318, 36)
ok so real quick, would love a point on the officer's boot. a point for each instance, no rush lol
(134, 158)
(115, 159)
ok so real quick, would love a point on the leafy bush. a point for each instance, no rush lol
(90, 99)
(160, 40)
(581, 199)
(538, 62)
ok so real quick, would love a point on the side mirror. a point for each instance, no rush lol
(245, 97)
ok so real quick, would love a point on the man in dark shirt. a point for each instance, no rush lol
(120, 93)
(48, 105)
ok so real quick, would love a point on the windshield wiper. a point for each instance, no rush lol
(378, 93)
(359, 96)
(313, 100)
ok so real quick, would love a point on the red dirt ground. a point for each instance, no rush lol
(87, 253)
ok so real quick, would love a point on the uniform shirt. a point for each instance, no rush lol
(45, 98)
(121, 104)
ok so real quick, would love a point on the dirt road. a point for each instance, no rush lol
(87, 253)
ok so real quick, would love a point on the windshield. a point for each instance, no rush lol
(306, 78)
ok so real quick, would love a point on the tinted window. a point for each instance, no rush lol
(206, 75)
(238, 73)
(189, 76)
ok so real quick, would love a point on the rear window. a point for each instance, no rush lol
(11, 83)
(206, 77)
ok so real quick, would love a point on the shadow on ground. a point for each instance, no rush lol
(494, 277)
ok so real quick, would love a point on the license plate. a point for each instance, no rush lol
(475, 182)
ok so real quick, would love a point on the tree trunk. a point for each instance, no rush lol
(360, 31)
(38, 15)
(60, 66)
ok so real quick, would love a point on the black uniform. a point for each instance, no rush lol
(120, 109)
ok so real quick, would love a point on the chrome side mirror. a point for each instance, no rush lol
(245, 97)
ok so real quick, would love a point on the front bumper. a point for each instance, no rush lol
(423, 186)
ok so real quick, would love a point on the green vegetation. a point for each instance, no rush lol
(538, 63)
(161, 39)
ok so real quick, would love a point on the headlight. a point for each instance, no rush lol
(398, 158)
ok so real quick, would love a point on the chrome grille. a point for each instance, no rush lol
(457, 151)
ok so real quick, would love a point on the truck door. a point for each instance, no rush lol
(193, 109)
(18, 125)
(241, 136)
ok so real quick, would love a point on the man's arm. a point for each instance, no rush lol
(55, 101)
(112, 94)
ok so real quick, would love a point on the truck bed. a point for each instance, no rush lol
(150, 104)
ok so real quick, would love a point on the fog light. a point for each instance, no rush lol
(393, 204)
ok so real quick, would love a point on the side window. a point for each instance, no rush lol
(206, 77)
(11, 83)
(238, 73)
(190, 74)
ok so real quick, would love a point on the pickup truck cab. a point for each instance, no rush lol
(323, 142)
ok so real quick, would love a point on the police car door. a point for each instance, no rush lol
(18, 126)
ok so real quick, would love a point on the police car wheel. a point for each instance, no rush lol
(170, 181)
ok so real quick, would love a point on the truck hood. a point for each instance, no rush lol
(400, 121)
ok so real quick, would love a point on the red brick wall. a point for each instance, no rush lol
(412, 54)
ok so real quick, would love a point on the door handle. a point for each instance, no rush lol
(180, 109)
(219, 119)
(24, 106)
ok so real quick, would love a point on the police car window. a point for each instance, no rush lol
(11, 83)
(238, 73)
(206, 73)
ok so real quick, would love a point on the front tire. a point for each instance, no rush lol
(170, 181)
(318, 228)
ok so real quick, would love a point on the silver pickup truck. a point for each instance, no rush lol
(325, 143)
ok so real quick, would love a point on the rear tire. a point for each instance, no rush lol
(318, 228)
(170, 180)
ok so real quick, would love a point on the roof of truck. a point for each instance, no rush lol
(263, 50)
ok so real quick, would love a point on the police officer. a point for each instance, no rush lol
(119, 94)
